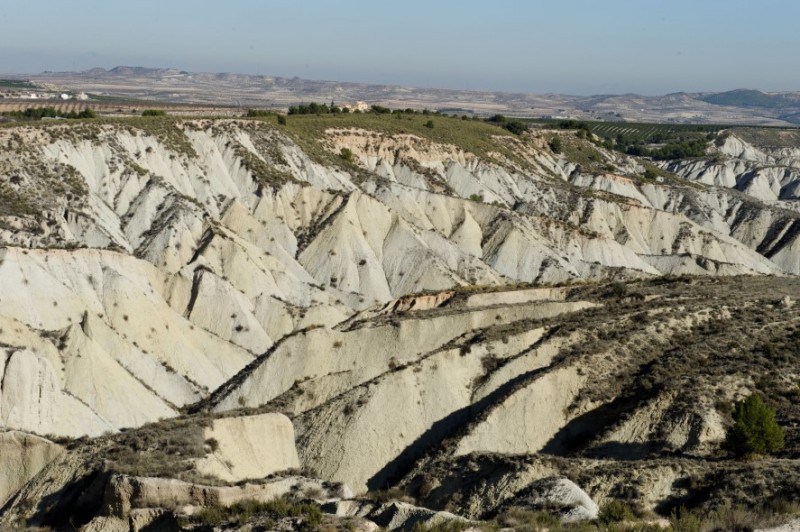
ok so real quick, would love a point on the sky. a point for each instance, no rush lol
(579, 47)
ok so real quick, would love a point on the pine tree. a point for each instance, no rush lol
(755, 430)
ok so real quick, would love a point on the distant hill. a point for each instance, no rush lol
(172, 85)
(750, 98)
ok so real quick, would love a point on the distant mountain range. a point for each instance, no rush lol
(749, 98)
(740, 106)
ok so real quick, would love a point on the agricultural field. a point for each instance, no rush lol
(115, 107)
(650, 133)
(16, 84)
(769, 136)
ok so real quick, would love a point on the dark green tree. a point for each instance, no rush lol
(649, 173)
(754, 430)
(517, 127)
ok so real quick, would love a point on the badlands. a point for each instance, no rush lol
(395, 320)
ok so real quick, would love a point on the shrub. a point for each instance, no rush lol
(556, 145)
(615, 512)
(242, 511)
(429, 124)
(442, 526)
(497, 119)
(754, 430)
(516, 127)
(522, 519)
(258, 113)
(683, 520)
(617, 289)
(37, 113)
(346, 154)
(212, 516)
(475, 197)
(153, 112)
(281, 120)
(384, 496)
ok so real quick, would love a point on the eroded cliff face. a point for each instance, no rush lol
(360, 276)
(168, 255)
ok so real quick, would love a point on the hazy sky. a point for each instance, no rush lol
(567, 46)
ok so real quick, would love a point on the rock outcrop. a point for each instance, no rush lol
(560, 496)
(22, 456)
(249, 447)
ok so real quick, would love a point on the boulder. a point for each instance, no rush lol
(560, 496)
(403, 516)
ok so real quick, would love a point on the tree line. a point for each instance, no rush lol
(37, 113)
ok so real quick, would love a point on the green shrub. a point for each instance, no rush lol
(615, 511)
(516, 127)
(754, 430)
(281, 120)
(37, 113)
(346, 154)
(212, 516)
(683, 520)
(429, 124)
(258, 113)
(443, 526)
(734, 519)
(617, 289)
(313, 109)
(241, 512)
(556, 145)
(153, 112)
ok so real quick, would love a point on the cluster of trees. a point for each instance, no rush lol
(49, 112)
(670, 145)
(258, 113)
(16, 84)
(574, 124)
(332, 108)
(517, 127)
(317, 109)
(671, 150)
(263, 113)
